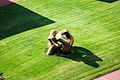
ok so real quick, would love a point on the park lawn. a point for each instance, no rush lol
(25, 26)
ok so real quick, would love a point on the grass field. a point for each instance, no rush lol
(25, 26)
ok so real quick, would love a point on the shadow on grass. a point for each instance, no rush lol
(1, 76)
(81, 54)
(108, 1)
(15, 19)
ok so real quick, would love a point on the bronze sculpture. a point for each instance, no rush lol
(61, 41)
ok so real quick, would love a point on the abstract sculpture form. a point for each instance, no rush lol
(60, 41)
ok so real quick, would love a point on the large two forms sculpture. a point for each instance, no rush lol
(60, 41)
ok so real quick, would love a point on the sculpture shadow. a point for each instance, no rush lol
(81, 54)
(15, 19)
(108, 1)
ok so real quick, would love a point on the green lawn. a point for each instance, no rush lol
(25, 26)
